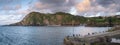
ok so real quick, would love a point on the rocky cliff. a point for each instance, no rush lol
(66, 19)
(58, 18)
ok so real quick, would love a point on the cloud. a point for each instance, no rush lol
(94, 7)
(77, 7)
(10, 2)
(8, 5)
(54, 5)
(9, 19)
(55, 2)
(8, 8)
(83, 6)
(105, 3)
(80, 7)
(112, 5)
(39, 5)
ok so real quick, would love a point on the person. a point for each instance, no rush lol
(76, 35)
(73, 35)
(92, 33)
(68, 37)
(88, 33)
(79, 34)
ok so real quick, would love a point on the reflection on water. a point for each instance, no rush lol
(32, 35)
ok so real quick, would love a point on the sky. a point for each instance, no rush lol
(12, 11)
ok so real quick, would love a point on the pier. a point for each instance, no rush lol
(91, 39)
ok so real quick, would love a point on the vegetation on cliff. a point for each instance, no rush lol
(103, 21)
(59, 18)
(63, 19)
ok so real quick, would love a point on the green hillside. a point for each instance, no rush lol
(58, 18)
(66, 19)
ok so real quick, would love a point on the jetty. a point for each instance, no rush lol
(104, 37)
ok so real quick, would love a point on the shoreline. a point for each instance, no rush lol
(86, 25)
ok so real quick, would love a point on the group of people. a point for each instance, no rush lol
(78, 35)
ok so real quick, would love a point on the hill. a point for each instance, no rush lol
(58, 18)
(66, 19)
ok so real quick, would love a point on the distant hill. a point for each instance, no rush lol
(56, 19)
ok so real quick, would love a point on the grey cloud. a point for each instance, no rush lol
(109, 4)
(59, 2)
(9, 2)
(105, 3)
(96, 6)
(60, 9)
(6, 5)
(7, 8)
(56, 5)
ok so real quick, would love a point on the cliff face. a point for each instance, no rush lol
(59, 18)
(65, 19)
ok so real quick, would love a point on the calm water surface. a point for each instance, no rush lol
(32, 35)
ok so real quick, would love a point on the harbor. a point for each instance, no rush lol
(103, 38)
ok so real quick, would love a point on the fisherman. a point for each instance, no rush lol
(73, 35)
(79, 34)
(88, 33)
(68, 37)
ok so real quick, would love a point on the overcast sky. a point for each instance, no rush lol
(12, 11)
